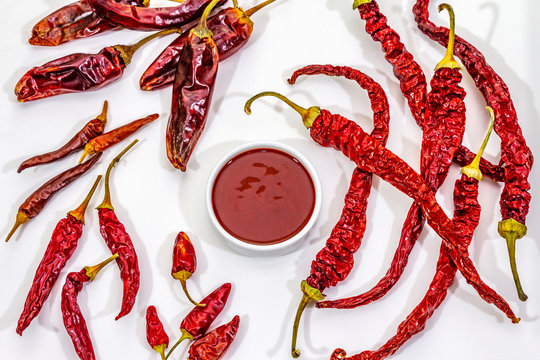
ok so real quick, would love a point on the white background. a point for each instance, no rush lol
(155, 201)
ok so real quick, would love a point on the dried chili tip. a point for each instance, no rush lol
(155, 333)
(184, 262)
(214, 344)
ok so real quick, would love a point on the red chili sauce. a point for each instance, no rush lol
(263, 196)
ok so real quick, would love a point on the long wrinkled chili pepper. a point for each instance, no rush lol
(93, 128)
(32, 206)
(73, 21)
(444, 126)
(335, 261)
(410, 75)
(214, 344)
(197, 322)
(516, 157)
(63, 243)
(155, 333)
(104, 141)
(137, 18)
(71, 312)
(79, 72)
(328, 129)
(184, 262)
(119, 242)
(466, 218)
(192, 92)
(231, 29)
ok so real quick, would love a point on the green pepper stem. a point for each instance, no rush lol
(107, 197)
(184, 287)
(448, 61)
(103, 116)
(202, 30)
(309, 294)
(185, 335)
(92, 271)
(21, 219)
(511, 230)
(308, 115)
(473, 169)
(78, 213)
(127, 51)
(256, 8)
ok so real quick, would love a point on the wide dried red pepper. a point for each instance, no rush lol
(119, 242)
(93, 128)
(214, 344)
(184, 262)
(71, 312)
(78, 72)
(192, 92)
(155, 333)
(333, 130)
(231, 29)
(32, 206)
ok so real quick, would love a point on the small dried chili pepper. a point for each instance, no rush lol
(184, 262)
(71, 312)
(79, 72)
(443, 129)
(104, 141)
(466, 218)
(155, 333)
(192, 92)
(335, 261)
(231, 29)
(197, 322)
(73, 21)
(516, 157)
(138, 18)
(34, 203)
(214, 344)
(328, 129)
(63, 243)
(119, 242)
(93, 128)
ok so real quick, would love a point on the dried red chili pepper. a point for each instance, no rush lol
(184, 262)
(466, 218)
(155, 333)
(73, 21)
(92, 129)
(335, 261)
(32, 206)
(214, 344)
(192, 92)
(516, 157)
(119, 242)
(443, 129)
(63, 243)
(78, 72)
(197, 322)
(71, 312)
(328, 129)
(231, 29)
(138, 18)
(104, 141)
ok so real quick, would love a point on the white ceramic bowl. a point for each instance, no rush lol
(273, 249)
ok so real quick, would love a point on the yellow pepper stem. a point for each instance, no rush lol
(20, 219)
(512, 230)
(78, 213)
(448, 61)
(92, 271)
(357, 3)
(473, 169)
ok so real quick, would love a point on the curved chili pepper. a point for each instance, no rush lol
(71, 312)
(197, 322)
(32, 206)
(92, 129)
(444, 126)
(214, 344)
(155, 334)
(137, 18)
(63, 243)
(119, 242)
(79, 72)
(184, 262)
(333, 130)
(73, 21)
(104, 141)
(231, 29)
(466, 218)
(335, 261)
(516, 157)
(192, 92)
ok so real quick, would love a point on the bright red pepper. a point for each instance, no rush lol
(155, 333)
(184, 262)
(214, 344)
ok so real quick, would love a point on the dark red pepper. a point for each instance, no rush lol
(214, 344)
(155, 333)
(184, 262)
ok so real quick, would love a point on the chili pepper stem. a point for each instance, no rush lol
(202, 30)
(107, 198)
(91, 271)
(309, 294)
(473, 169)
(78, 213)
(21, 219)
(184, 287)
(103, 116)
(127, 51)
(88, 150)
(256, 8)
(161, 350)
(512, 230)
(448, 61)
(308, 115)
(357, 3)
(185, 335)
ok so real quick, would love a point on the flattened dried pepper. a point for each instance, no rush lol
(214, 344)
(184, 262)
(155, 333)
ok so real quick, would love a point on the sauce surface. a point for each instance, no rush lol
(263, 196)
